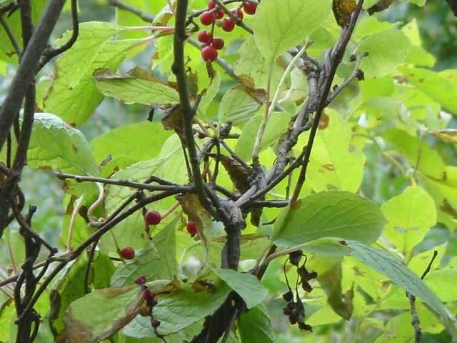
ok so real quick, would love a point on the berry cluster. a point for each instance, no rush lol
(295, 309)
(210, 16)
(150, 301)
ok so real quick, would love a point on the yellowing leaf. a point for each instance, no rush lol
(280, 25)
(342, 10)
(334, 162)
(409, 217)
(386, 50)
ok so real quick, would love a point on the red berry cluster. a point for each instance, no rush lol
(209, 17)
(150, 301)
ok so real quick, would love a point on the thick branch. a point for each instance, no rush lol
(26, 71)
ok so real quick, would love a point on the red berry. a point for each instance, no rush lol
(206, 18)
(155, 323)
(140, 280)
(152, 218)
(219, 14)
(205, 37)
(217, 43)
(249, 7)
(191, 228)
(209, 54)
(237, 13)
(211, 4)
(228, 24)
(127, 253)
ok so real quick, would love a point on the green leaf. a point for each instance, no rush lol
(157, 262)
(247, 286)
(102, 313)
(91, 39)
(56, 145)
(337, 214)
(386, 50)
(209, 94)
(57, 96)
(442, 283)
(254, 326)
(409, 215)
(330, 281)
(254, 69)
(394, 269)
(335, 162)
(138, 86)
(138, 141)
(441, 87)
(70, 286)
(276, 127)
(418, 153)
(237, 106)
(187, 305)
(279, 26)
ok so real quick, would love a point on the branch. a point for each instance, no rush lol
(49, 54)
(415, 322)
(125, 183)
(188, 112)
(11, 37)
(332, 60)
(27, 68)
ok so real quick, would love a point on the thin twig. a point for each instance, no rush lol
(49, 54)
(11, 37)
(332, 60)
(415, 321)
(124, 183)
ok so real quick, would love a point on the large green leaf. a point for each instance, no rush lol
(329, 214)
(335, 162)
(253, 68)
(394, 269)
(255, 326)
(441, 87)
(279, 26)
(418, 153)
(102, 313)
(247, 286)
(410, 215)
(237, 106)
(60, 96)
(58, 146)
(138, 86)
(276, 127)
(138, 141)
(386, 50)
(188, 304)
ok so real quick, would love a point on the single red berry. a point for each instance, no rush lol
(237, 13)
(206, 18)
(209, 54)
(205, 37)
(249, 7)
(219, 14)
(152, 218)
(218, 43)
(228, 24)
(127, 253)
(191, 228)
(155, 323)
(211, 4)
(140, 280)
